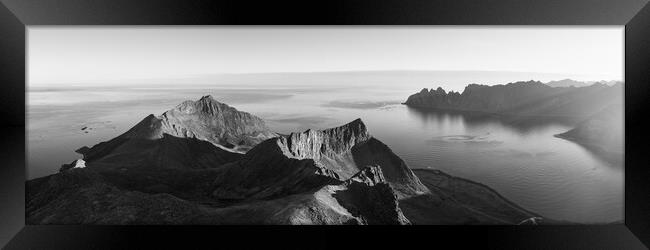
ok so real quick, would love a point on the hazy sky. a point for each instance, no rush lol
(87, 55)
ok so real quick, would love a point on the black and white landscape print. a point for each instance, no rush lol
(325, 125)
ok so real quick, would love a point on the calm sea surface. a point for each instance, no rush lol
(521, 160)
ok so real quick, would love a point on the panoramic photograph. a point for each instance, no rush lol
(274, 125)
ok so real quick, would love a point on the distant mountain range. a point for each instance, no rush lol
(205, 162)
(596, 108)
(531, 98)
(574, 83)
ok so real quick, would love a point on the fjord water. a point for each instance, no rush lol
(519, 158)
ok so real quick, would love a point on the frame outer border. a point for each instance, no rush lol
(16, 14)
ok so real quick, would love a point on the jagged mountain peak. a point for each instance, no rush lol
(357, 126)
(205, 105)
(529, 98)
(207, 97)
(317, 157)
(209, 100)
(370, 175)
(438, 90)
(202, 120)
(355, 129)
(210, 120)
(332, 141)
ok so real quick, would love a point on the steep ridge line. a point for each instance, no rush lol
(302, 161)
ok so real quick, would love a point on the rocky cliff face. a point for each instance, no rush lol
(324, 143)
(175, 169)
(209, 120)
(530, 98)
(368, 195)
(301, 161)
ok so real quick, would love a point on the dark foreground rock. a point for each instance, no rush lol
(455, 200)
(173, 171)
(85, 196)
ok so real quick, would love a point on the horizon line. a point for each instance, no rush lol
(126, 81)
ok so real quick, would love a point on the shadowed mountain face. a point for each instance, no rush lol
(178, 169)
(602, 132)
(522, 98)
(84, 196)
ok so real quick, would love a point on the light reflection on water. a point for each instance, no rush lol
(519, 158)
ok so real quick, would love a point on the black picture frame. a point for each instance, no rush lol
(16, 15)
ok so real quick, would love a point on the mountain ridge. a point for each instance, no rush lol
(314, 157)
(190, 125)
(340, 175)
(573, 83)
(531, 98)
